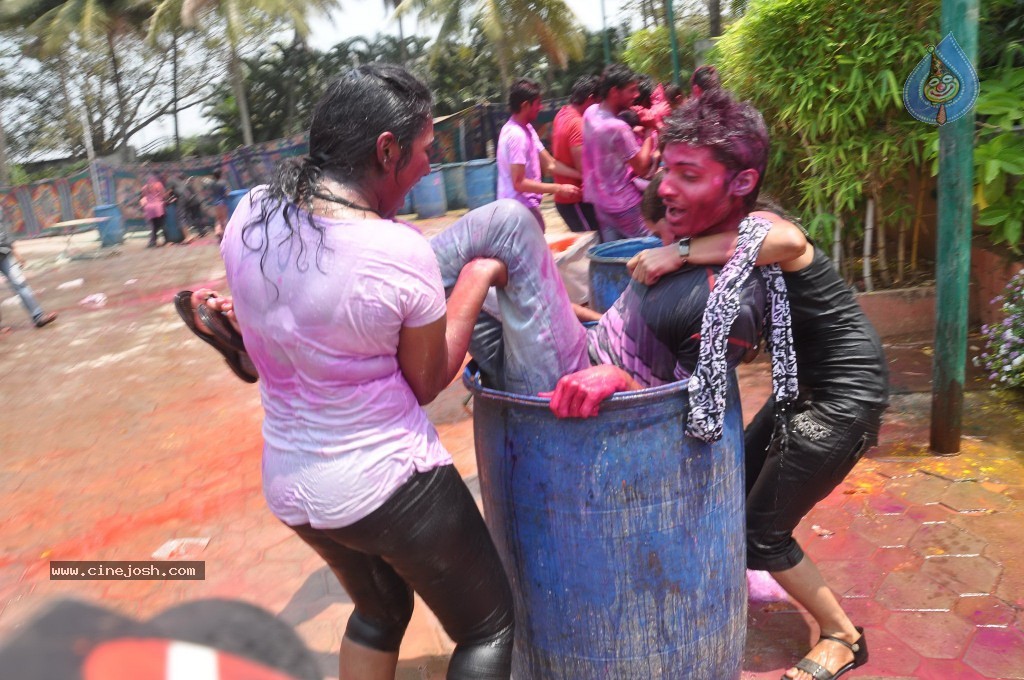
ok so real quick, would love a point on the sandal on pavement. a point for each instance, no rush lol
(217, 336)
(819, 672)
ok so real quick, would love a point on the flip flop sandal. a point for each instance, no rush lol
(231, 348)
(819, 672)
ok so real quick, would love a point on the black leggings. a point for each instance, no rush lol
(429, 537)
(156, 225)
(788, 471)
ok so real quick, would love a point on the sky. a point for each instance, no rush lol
(366, 18)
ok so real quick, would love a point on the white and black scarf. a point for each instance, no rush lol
(708, 382)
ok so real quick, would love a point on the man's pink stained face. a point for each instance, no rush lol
(626, 95)
(418, 165)
(695, 190)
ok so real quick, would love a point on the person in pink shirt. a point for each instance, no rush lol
(344, 318)
(522, 156)
(612, 156)
(153, 201)
(567, 148)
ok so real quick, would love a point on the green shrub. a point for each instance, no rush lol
(828, 77)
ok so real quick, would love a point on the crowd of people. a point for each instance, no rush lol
(351, 321)
(191, 195)
(602, 156)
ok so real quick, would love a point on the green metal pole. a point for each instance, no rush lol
(604, 36)
(953, 265)
(670, 16)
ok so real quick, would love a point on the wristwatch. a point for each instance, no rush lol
(684, 249)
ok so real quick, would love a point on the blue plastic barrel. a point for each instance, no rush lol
(623, 539)
(234, 198)
(112, 230)
(608, 274)
(172, 227)
(428, 195)
(455, 184)
(407, 207)
(481, 182)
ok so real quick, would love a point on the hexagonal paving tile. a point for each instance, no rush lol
(963, 575)
(933, 513)
(985, 611)
(953, 468)
(865, 611)
(851, 578)
(921, 489)
(888, 656)
(947, 669)
(935, 635)
(842, 545)
(897, 469)
(885, 531)
(997, 653)
(897, 559)
(910, 591)
(973, 497)
(946, 539)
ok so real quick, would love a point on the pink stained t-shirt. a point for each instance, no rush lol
(518, 145)
(342, 428)
(608, 146)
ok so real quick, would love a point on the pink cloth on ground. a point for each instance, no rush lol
(608, 146)
(518, 145)
(342, 428)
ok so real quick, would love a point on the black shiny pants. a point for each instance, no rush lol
(428, 537)
(794, 459)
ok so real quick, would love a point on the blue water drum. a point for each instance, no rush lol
(234, 198)
(455, 185)
(172, 227)
(407, 207)
(623, 538)
(608, 274)
(481, 182)
(428, 195)
(112, 230)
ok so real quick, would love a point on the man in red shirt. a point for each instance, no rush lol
(567, 147)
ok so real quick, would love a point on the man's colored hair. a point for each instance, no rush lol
(583, 89)
(523, 91)
(734, 132)
(651, 205)
(615, 75)
(705, 77)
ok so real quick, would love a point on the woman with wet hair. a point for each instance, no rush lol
(344, 317)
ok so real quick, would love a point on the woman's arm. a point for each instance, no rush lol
(430, 356)
(785, 245)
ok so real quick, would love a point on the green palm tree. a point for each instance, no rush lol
(393, 4)
(55, 23)
(236, 14)
(549, 24)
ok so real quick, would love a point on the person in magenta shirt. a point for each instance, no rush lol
(567, 148)
(153, 201)
(612, 156)
(521, 154)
